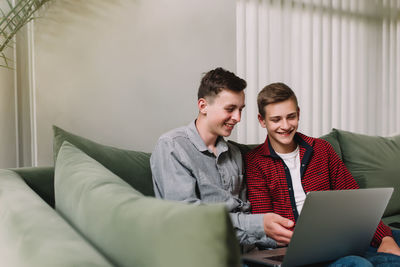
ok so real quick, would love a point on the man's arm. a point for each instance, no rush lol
(275, 226)
(172, 180)
(249, 229)
(339, 175)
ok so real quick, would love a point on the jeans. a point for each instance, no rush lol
(371, 257)
(381, 259)
(350, 261)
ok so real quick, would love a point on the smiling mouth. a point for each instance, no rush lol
(286, 133)
(229, 125)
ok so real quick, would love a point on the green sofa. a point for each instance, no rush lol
(95, 207)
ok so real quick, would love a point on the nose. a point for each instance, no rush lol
(237, 115)
(285, 124)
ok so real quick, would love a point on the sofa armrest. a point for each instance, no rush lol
(33, 234)
(41, 180)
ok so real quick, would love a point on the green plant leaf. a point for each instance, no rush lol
(13, 20)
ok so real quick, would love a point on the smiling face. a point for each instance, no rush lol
(220, 114)
(281, 121)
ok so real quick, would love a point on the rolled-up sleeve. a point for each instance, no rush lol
(250, 230)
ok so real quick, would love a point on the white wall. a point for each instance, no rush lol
(122, 72)
(8, 157)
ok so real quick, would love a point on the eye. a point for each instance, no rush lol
(230, 109)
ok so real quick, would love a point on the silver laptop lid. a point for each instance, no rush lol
(334, 224)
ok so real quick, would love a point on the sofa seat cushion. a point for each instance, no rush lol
(374, 162)
(132, 166)
(33, 234)
(135, 230)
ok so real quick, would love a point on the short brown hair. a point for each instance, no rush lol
(274, 93)
(214, 81)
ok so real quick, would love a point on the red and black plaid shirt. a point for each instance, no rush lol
(270, 186)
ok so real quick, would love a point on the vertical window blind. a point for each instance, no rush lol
(341, 57)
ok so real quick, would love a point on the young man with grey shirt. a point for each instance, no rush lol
(194, 163)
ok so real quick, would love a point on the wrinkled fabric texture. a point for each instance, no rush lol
(351, 261)
(185, 170)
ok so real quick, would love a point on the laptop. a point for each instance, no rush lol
(332, 224)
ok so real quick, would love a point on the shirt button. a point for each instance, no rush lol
(290, 188)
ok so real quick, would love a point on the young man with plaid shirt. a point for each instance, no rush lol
(289, 164)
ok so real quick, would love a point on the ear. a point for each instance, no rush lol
(261, 120)
(202, 105)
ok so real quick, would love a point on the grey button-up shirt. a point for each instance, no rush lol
(185, 170)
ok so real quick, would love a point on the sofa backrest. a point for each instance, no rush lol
(374, 161)
(131, 166)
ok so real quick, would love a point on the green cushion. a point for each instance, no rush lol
(33, 234)
(332, 138)
(135, 230)
(41, 180)
(131, 166)
(374, 162)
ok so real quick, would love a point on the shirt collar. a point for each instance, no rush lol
(198, 142)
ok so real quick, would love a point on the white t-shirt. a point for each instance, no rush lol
(292, 161)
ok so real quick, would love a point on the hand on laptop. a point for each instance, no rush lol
(278, 228)
(389, 245)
